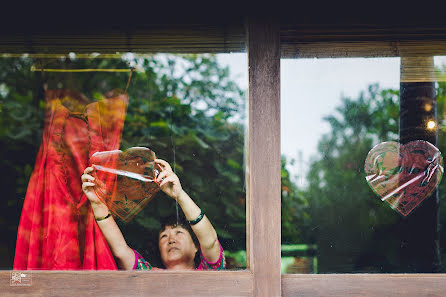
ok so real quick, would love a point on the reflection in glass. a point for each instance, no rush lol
(404, 175)
(125, 180)
(58, 110)
(334, 111)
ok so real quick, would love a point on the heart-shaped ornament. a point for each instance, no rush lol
(404, 175)
(125, 180)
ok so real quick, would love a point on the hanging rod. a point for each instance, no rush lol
(34, 69)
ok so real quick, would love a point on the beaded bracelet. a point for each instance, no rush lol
(103, 218)
(198, 219)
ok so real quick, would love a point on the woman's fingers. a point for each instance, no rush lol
(163, 175)
(166, 171)
(86, 185)
(163, 164)
(88, 169)
(169, 179)
(87, 177)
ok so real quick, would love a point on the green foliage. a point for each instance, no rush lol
(352, 228)
(344, 211)
(294, 208)
(187, 121)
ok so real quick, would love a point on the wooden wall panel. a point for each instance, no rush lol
(263, 164)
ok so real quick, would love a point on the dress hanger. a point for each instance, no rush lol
(130, 78)
(43, 70)
(118, 91)
(71, 99)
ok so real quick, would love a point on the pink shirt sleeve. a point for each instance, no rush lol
(141, 263)
(220, 264)
(136, 259)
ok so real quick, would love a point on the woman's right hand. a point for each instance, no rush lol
(88, 184)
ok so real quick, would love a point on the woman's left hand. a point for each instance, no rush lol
(167, 180)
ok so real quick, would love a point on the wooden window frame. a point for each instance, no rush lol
(263, 276)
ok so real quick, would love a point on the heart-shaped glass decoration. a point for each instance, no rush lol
(125, 180)
(404, 175)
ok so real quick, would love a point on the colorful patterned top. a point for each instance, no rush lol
(220, 264)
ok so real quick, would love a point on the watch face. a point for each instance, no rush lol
(404, 175)
(126, 180)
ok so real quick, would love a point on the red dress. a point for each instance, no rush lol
(57, 229)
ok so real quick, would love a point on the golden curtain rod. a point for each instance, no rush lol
(34, 69)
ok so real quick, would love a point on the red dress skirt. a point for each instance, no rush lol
(57, 230)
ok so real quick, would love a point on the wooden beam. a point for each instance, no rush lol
(130, 283)
(362, 49)
(361, 39)
(185, 38)
(363, 285)
(263, 164)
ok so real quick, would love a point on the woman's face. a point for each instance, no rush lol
(177, 247)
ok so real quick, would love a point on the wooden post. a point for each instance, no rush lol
(263, 163)
(419, 246)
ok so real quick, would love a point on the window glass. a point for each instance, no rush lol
(333, 113)
(59, 113)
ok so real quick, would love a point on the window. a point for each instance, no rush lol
(188, 109)
(165, 85)
(349, 241)
(348, 106)
(262, 277)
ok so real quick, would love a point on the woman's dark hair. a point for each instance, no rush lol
(174, 221)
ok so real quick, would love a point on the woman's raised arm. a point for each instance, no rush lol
(119, 248)
(205, 232)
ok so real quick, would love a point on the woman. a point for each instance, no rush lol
(177, 248)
